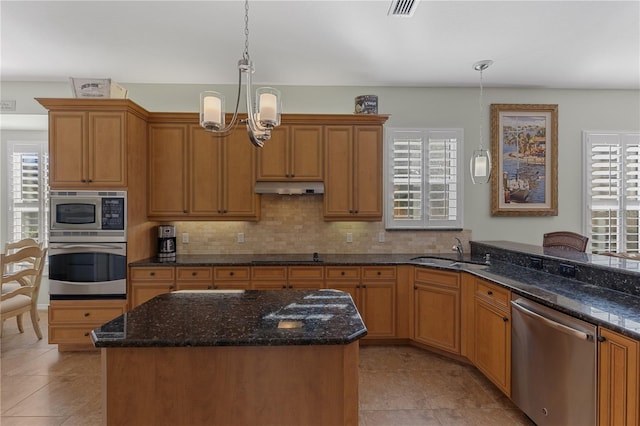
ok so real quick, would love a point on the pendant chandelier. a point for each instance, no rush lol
(481, 159)
(261, 117)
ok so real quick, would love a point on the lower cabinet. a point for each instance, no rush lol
(71, 321)
(437, 309)
(618, 370)
(373, 289)
(148, 282)
(492, 333)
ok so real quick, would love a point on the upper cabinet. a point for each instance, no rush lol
(293, 153)
(353, 173)
(194, 174)
(89, 142)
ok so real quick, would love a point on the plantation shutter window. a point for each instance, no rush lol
(423, 188)
(612, 180)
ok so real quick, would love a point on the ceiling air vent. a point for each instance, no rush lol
(403, 8)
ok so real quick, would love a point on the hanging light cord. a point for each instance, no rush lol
(245, 55)
(481, 112)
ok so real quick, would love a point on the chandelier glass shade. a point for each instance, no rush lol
(262, 116)
(480, 164)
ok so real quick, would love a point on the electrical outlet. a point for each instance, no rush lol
(535, 262)
(185, 238)
(381, 237)
(349, 237)
(241, 237)
(567, 270)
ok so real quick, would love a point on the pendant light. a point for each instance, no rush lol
(481, 159)
(261, 117)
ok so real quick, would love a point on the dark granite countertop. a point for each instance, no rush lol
(236, 318)
(605, 290)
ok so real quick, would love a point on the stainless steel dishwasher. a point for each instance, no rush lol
(553, 359)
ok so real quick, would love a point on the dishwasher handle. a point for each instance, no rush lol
(553, 324)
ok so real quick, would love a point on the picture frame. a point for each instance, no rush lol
(524, 149)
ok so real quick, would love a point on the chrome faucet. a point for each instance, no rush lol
(458, 248)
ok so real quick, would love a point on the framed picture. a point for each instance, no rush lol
(524, 149)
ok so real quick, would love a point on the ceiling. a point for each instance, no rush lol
(534, 44)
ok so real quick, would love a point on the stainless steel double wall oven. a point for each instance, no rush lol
(88, 244)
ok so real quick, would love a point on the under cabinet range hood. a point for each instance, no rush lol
(289, 188)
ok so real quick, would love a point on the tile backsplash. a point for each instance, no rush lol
(294, 224)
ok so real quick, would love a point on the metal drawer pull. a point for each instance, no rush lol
(555, 325)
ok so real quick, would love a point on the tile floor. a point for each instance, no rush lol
(399, 385)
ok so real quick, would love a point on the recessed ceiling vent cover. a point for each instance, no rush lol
(404, 8)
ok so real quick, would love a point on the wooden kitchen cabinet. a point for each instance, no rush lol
(492, 333)
(293, 153)
(91, 141)
(231, 277)
(437, 309)
(353, 173)
(373, 289)
(87, 149)
(619, 384)
(305, 277)
(268, 277)
(222, 176)
(168, 173)
(194, 278)
(71, 321)
(148, 282)
(194, 174)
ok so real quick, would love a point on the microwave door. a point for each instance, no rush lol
(76, 214)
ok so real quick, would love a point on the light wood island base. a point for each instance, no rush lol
(231, 385)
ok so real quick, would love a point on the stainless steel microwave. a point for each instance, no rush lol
(88, 216)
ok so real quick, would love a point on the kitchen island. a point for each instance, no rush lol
(233, 358)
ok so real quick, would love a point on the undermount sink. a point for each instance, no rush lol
(449, 263)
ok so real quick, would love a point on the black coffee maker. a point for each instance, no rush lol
(167, 243)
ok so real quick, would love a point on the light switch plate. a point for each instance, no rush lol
(241, 237)
(349, 237)
(185, 238)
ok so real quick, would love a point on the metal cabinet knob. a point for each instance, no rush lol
(87, 314)
(490, 293)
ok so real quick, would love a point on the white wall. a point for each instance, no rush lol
(427, 107)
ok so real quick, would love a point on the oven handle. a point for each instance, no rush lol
(555, 325)
(95, 246)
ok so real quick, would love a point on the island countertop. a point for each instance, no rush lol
(236, 318)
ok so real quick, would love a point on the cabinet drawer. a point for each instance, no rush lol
(200, 273)
(306, 273)
(153, 274)
(378, 272)
(343, 273)
(493, 294)
(231, 273)
(269, 273)
(437, 277)
(80, 334)
(84, 313)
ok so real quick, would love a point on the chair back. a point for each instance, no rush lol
(565, 239)
(31, 275)
(14, 247)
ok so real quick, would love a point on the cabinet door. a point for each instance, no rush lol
(378, 301)
(273, 157)
(239, 177)
(367, 173)
(306, 153)
(437, 316)
(338, 176)
(67, 149)
(168, 154)
(107, 153)
(493, 344)
(141, 292)
(618, 368)
(205, 173)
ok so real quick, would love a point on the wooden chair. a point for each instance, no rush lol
(20, 288)
(565, 239)
(10, 248)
